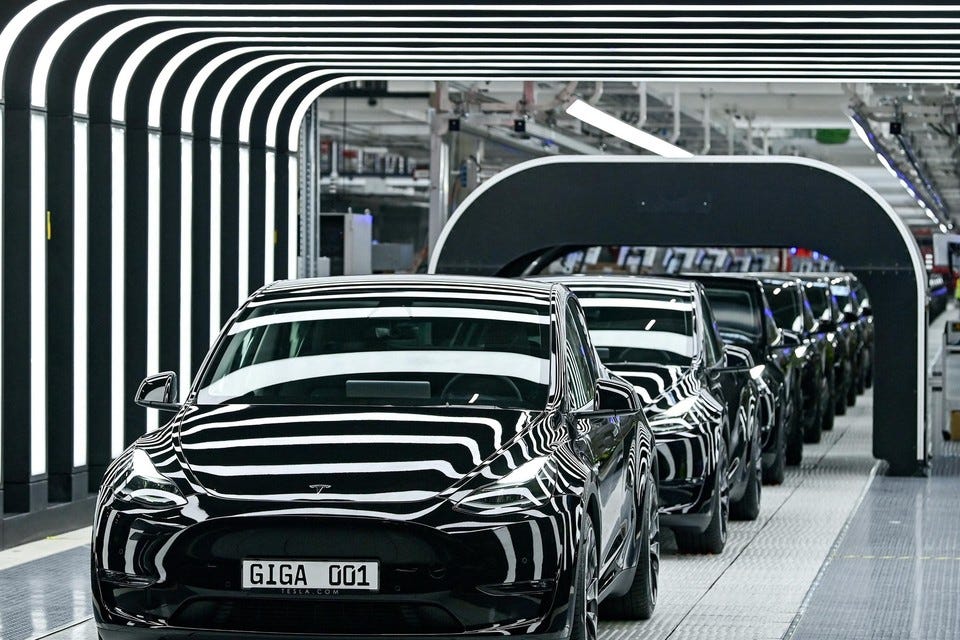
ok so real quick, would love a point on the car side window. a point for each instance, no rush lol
(580, 383)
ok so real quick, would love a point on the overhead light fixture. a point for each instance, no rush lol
(620, 129)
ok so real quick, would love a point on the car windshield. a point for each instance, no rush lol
(787, 312)
(737, 314)
(400, 350)
(640, 328)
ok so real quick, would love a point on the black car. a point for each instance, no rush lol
(382, 457)
(794, 318)
(865, 318)
(745, 321)
(859, 315)
(660, 335)
(838, 332)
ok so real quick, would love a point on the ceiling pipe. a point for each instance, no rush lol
(706, 123)
(642, 91)
(676, 115)
(597, 94)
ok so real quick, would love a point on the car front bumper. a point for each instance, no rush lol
(687, 476)
(443, 573)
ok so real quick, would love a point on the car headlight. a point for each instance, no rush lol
(141, 483)
(529, 485)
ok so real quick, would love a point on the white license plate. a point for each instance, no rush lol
(311, 574)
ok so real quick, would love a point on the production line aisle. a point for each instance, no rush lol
(753, 590)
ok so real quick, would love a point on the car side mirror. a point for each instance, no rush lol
(791, 339)
(159, 392)
(777, 340)
(612, 398)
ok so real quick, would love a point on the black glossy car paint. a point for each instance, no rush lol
(692, 407)
(779, 384)
(380, 483)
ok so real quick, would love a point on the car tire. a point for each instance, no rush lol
(840, 400)
(852, 390)
(794, 441)
(813, 430)
(714, 538)
(748, 506)
(639, 602)
(829, 411)
(587, 595)
(862, 379)
(868, 376)
(774, 474)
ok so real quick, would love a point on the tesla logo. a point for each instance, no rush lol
(319, 488)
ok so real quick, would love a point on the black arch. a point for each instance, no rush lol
(718, 203)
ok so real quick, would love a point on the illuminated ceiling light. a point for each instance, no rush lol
(943, 227)
(605, 122)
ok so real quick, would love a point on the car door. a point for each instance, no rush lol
(726, 382)
(603, 438)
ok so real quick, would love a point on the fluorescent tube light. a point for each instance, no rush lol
(605, 122)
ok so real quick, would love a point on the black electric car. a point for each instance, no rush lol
(859, 315)
(659, 334)
(838, 333)
(745, 321)
(382, 457)
(794, 318)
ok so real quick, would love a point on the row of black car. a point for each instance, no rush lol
(449, 456)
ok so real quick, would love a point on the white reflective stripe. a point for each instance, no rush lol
(333, 468)
(635, 303)
(354, 438)
(389, 312)
(186, 263)
(117, 276)
(267, 374)
(329, 293)
(37, 248)
(656, 340)
(269, 215)
(80, 289)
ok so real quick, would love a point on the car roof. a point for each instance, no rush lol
(722, 278)
(311, 287)
(667, 285)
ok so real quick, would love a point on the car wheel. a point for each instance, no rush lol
(852, 389)
(794, 441)
(714, 538)
(748, 507)
(829, 411)
(587, 602)
(639, 602)
(840, 399)
(862, 378)
(868, 377)
(774, 474)
(814, 429)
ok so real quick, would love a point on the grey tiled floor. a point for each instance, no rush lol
(756, 587)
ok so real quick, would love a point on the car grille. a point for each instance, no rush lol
(267, 615)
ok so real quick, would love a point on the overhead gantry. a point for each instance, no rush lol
(150, 153)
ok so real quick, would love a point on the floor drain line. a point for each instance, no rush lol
(63, 627)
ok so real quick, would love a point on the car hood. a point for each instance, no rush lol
(341, 454)
(661, 387)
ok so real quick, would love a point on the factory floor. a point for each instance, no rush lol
(839, 551)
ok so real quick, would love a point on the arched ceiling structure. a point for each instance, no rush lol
(149, 156)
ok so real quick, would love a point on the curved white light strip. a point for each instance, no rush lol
(913, 249)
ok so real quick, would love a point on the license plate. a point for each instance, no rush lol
(311, 574)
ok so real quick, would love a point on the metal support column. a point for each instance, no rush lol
(439, 177)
